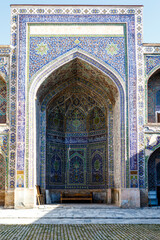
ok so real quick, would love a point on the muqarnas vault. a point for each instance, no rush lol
(79, 106)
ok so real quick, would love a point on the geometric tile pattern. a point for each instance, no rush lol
(4, 66)
(2, 172)
(12, 102)
(6, 173)
(75, 157)
(152, 62)
(65, 102)
(152, 87)
(3, 101)
(123, 167)
(119, 58)
(98, 49)
(140, 103)
(153, 98)
(134, 76)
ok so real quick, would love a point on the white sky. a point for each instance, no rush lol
(151, 15)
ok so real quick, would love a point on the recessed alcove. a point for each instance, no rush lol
(78, 131)
(154, 98)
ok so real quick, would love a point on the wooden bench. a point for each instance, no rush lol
(76, 197)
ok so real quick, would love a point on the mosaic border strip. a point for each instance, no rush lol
(85, 10)
(5, 52)
(140, 99)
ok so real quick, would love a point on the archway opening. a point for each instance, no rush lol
(154, 98)
(78, 132)
(154, 178)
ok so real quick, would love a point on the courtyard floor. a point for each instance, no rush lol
(80, 232)
(80, 222)
(80, 214)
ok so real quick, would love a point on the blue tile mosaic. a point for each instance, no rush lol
(58, 46)
(152, 62)
(123, 60)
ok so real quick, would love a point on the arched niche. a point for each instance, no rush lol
(154, 97)
(154, 178)
(73, 161)
(78, 110)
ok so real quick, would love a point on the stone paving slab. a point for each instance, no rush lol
(79, 214)
(80, 232)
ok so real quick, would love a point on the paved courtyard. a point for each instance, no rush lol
(80, 232)
(80, 214)
(80, 222)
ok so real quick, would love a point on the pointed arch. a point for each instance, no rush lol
(37, 81)
(153, 179)
(152, 87)
(43, 73)
(153, 71)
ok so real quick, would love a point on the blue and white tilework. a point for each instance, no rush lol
(126, 60)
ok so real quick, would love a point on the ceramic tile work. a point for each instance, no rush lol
(4, 116)
(12, 100)
(152, 146)
(110, 147)
(4, 66)
(153, 170)
(152, 63)
(85, 101)
(151, 49)
(55, 177)
(76, 158)
(140, 99)
(4, 152)
(3, 102)
(54, 47)
(133, 74)
(153, 98)
(152, 132)
(2, 172)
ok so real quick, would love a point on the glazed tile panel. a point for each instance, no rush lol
(152, 63)
(133, 19)
(113, 50)
(76, 144)
(45, 49)
(7, 170)
(3, 102)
